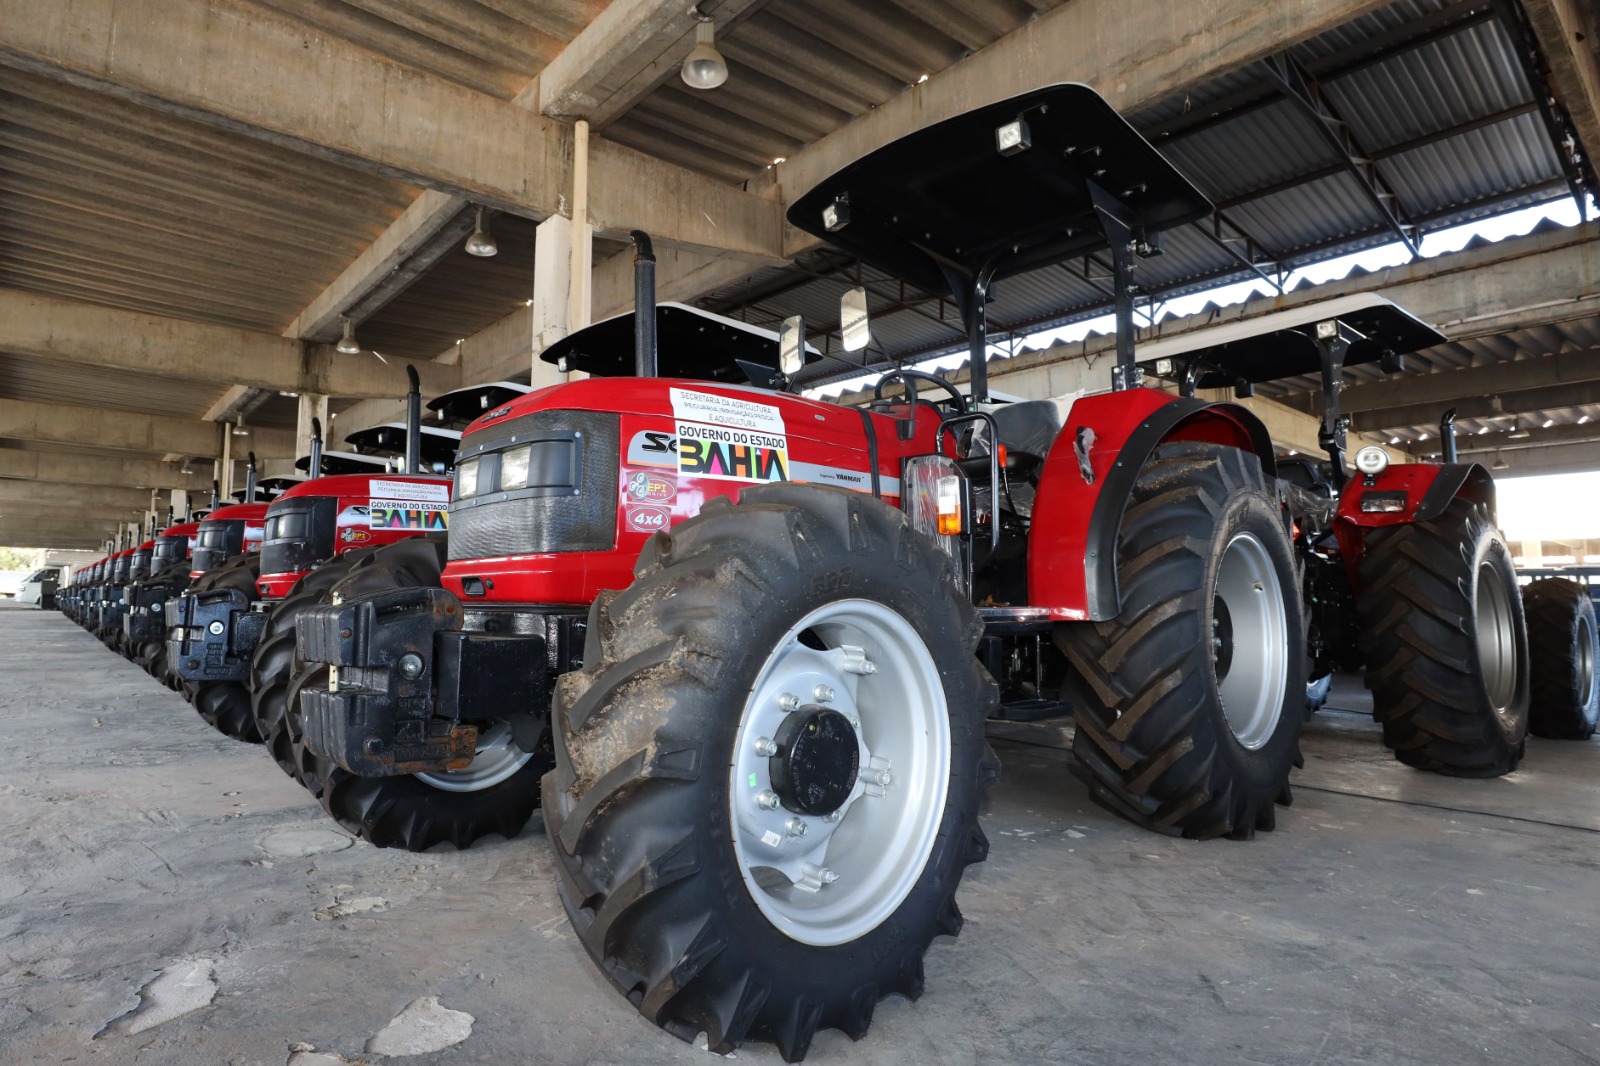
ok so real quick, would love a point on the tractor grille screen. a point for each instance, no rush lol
(139, 569)
(216, 543)
(299, 534)
(169, 550)
(580, 515)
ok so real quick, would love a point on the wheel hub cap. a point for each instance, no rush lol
(818, 759)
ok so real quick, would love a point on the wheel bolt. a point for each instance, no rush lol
(788, 702)
(833, 816)
(767, 801)
(766, 746)
(410, 666)
(829, 876)
(822, 694)
(795, 827)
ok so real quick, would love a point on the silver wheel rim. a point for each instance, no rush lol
(1256, 650)
(844, 874)
(1497, 652)
(497, 759)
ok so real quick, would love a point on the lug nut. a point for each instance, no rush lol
(829, 876)
(788, 702)
(822, 694)
(767, 800)
(833, 816)
(766, 746)
(410, 666)
(795, 827)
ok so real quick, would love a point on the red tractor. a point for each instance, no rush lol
(144, 623)
(748, 624)
(1406, 577)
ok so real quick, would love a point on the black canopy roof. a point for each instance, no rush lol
(463, 405)
(691, 343)
(389, 439)
(1283, 344)
(945, 198)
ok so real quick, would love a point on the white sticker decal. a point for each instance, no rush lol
(726, 454)
(707, 407)
(425, 492)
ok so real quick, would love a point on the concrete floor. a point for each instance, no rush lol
(1394, 917)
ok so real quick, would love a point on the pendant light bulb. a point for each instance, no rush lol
(704, 67)
(347, 344)
(481, 243)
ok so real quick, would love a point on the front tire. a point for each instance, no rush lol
(225, 705)
(1446, 643)
(728, 882)
(1191, 699)
(1562, 651)
(497, 794)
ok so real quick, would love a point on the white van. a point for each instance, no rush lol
(39, 587)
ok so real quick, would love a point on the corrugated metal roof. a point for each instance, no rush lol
(1431, 90)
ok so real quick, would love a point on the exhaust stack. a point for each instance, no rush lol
(250, 479)
(1447, 436)
(216, 494)
(644, 305)
(413, 423)
(314, 468)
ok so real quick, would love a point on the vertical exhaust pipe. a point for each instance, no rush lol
(216, 493)
(314, 468)
(250, 479)
(413, 422)
(644, 305)
(1447, 436)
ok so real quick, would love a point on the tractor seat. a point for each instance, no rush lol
(1308, 476)
(1030, 427)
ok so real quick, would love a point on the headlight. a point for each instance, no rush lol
(466, 479)
(1372, 460)
(514, 467)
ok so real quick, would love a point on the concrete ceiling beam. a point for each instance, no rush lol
(1567, 36)
(66, 469)
(70, 425)
(1445, 387)
(1524, 403)
(621, 57)
(48, 327)
(44, 495)
(260, 74)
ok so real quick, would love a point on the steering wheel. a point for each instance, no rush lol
(909, 379)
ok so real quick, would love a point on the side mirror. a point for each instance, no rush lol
(854, 326)
(792, 345)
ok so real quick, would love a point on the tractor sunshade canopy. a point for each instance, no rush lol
(1006, 188)
(465, 405)
(1283, 344)
(691, 344)
(346, 463)
(389, 440)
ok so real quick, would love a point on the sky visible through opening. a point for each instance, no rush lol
(1546, 507)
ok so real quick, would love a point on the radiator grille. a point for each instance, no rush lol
(526, 523)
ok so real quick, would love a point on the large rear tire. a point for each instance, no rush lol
(275, 663)
(497, 794)
(714, 873)
(225, 705)
(1562, 651)
(1191, 699)
(1446, 643)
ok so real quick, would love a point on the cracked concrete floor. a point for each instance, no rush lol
(1394, 917)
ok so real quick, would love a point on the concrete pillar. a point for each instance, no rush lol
(180, 503)
(552, 276)
(582, 270)
(1532, 553)
(227, 460)
(312, 405)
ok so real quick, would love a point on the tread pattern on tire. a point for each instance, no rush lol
(1561, 706)
(1420, 647)
(644, 877)
(403, 812)
(1148, 734)
(225, 705)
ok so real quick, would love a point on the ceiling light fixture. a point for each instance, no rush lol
(704, 67)
(1500, 462)
(481, 242)
(347, 344)
(239, 429)
(1517, 432)
(1548, 423)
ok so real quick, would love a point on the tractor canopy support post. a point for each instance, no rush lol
(413, 422)
(644, 306)
(314, 467)
(1333, 344)
(1447, 436)
(1114, 220)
